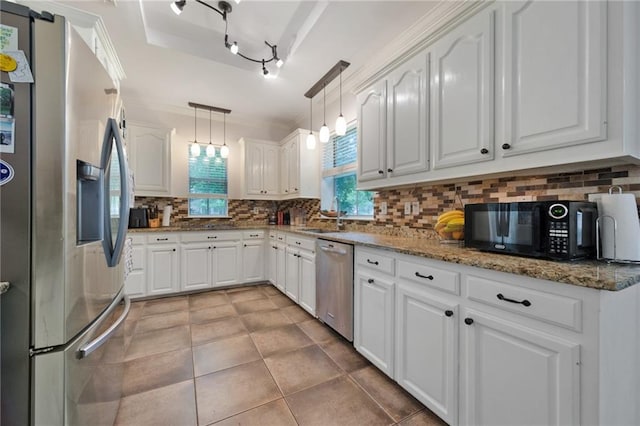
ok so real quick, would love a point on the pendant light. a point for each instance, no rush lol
(224, 150)
(341, 123)
(311, 139)
(324, 130)
(211, 150)
(195, 148)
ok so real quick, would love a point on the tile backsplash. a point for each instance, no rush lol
(433, 199)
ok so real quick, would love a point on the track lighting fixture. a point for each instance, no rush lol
(324, 130)
(211, 147)
(224, 9)
(195, 148)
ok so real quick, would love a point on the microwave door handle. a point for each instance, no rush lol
(536, 220)
(504, 232)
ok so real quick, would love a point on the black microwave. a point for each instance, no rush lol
(559, 230)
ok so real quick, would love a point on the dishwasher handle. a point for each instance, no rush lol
(333, 250)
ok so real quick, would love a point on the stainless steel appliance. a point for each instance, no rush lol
(560, 230)
(334, 286)
(64, 219)
(139, 217)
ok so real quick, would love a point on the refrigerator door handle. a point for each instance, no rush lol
(4, 287)
(86, 349)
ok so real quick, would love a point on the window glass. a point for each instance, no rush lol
(207, 185)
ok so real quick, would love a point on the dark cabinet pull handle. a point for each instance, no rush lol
(370, 280)
(373, 263)
(209, 247)
(286, 190)
(162, 239)
(245, 245)
(214, 247)
(468, 321)
(380, 172)
(448, 313)
(212, 238)
(484, 151)
(298, 242)
(173, 249)
(506, 146)
(390, 170)
(429, 277)
(524, 302)
(295, 189)
(254, 235)
(274, 247)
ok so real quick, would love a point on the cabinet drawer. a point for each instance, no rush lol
(376, 261)
(427, 275)
(198, 237)
(551, 308)
(303, 243)
(281, 237)
(137, 239)
(253, 235)
(162, 238)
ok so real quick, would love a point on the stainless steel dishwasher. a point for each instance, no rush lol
(334, 286)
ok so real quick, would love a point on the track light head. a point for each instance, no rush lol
(279, 62)
(177, 6)
(234, 48)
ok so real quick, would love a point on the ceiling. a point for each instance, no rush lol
(170, 60)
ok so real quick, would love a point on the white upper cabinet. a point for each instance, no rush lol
(300, 167)
(372, 132)
(555, 74)
(260, 175)
(408, 117)
(462, 103)
(150, 159)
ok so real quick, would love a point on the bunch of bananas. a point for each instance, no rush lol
(450, 225)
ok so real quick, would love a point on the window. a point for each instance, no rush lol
(207, 185)
(339, 159)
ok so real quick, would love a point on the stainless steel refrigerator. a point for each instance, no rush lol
(64, 213)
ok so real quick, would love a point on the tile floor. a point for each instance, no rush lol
(250, 356)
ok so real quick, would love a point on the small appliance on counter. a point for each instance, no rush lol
(558, 230)
(618, 226)
(139, 217)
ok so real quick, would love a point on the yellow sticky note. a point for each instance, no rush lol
(7, 63)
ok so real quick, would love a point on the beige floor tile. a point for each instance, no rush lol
(281, 300)
(274, 413)
(162, 321)
(222, 354)
(344, 354)
(243, 296)
(164, 305)
(271, 290)
(280, 339)
(395, 401)
(264, 319)
(254, 306)
(159, 341)
(136, 311)
(233, 391)
(208, 299)
(300, 369)
(168, 405)
(296, 313)
(211, 314)
(319, 332)
(154, 371)
(216, 330)
(337, 402)
(239, 288)
(423, 418)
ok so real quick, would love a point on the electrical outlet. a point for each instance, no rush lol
(407, 208)
(383, 207)
(415, 208)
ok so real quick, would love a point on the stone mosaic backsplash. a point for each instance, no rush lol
(433, 200)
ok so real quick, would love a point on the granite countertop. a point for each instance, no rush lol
(592, 274)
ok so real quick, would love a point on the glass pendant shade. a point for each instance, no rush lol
(224, 151)
(341, 126)
(211, 151)
(324, 134)
(311, 141)
(195, 149)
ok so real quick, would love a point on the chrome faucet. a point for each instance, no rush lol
(339, 223)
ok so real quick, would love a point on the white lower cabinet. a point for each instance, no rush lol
(427, 348)
(307, 296)
(373, 320)
(135, 284)
(253, 260)
(271, 265)
(512, 375)
(292, 274)
(226, 263)
(281, 267)
(162, 273)
(196, 266)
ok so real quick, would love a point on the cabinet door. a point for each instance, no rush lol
(512, 375)
(373, 321)
(150, 159)
(555, 74)
(270, 169)
(284, 170)
(408, 118)
(372, 132)
(162, 275)
(272, 263)
(292, 278)
(427, 349)
(195, 267)
(135, 285)
(253, 261)
(463, 93)
(281, 267)
(254, 159)
(226, 263)
(294, 166)
(308, 281)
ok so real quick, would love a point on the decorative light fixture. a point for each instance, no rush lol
(341, 124)
(224, 150)
(211, 150)
(195, 148)
(224, 10)
(311, 139)
(324, 130)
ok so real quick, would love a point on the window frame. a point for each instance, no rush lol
(208, 196)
